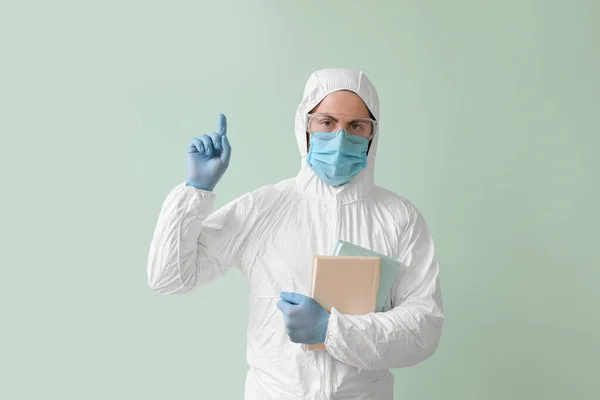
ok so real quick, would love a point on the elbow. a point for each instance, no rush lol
(166, 283)
(154, 277)
(407, 359)
(423, 347)
(155, 272)
(155, 284)
(419, 356)
(166, 288)
(403, 355)
(163, 274)
(155, 287)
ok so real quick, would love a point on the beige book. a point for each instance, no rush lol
(348, 283)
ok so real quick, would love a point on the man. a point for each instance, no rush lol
(272, 233)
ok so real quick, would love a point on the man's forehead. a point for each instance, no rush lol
(343, 102)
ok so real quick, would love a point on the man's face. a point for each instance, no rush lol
(344, 106)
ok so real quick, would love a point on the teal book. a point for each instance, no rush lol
(389, 270)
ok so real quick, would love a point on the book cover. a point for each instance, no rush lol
(348, 283)
(389, 270)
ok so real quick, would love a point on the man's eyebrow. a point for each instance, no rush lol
(330, 116)
(361, 119)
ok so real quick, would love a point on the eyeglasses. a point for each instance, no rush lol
(321, 122)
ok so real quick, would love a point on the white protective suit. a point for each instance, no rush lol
(272, 233)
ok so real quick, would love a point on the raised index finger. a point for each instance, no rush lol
(222, 125)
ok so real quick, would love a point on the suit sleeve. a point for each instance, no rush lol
(409, 332)
(192, 245)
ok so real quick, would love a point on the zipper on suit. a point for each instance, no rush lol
(335, 225)
(327, 386)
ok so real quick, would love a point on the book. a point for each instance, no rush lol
(348, 283)
(389, 270)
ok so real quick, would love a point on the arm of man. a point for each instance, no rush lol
(190, 245)
(410, 331)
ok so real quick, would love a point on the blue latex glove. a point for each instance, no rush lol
(306, 321)
(208, 158)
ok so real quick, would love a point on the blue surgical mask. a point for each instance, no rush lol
(336, 158)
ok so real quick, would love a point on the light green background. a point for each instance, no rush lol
(489, 124)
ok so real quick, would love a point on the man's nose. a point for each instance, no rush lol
(342, 126)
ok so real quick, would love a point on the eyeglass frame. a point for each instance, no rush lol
(373, 121)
